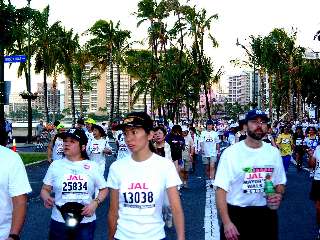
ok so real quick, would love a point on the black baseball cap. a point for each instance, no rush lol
(255, 113)
(77, 134)
(136, 119)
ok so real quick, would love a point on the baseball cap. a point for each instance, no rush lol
(255, 113)
(184, 128)
(136, 119)
(77, 134)
(60, 126)
(210, 122)
(90, 121)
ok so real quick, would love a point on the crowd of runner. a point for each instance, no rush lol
(153, 163)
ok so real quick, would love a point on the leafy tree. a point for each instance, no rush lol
(46, 46)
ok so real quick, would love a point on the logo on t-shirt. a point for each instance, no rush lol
(254, 178)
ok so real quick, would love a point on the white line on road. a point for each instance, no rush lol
(211, 225)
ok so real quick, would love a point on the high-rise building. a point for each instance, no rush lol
(239, 88)
(53, 99)
(98, 100)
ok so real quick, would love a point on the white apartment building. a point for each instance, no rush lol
(239, 88)
(98, 100)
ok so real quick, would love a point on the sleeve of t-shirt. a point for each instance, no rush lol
(172, 177)
(201, 138)
(18, 179)
(100, 182)
(113, 181)
(49, 177)
(279, 139)
(224, 174)
(279, 175)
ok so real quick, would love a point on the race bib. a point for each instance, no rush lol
(75, 187)
(59, 150)
(254, 179)
(299, 142)
(139, 199)
(122, 148)
(95, 148)
(285, 141)
(209, 140)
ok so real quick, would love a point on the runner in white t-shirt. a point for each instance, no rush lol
(14, 186)
(138, 184)
(314, 162)
(123, 150)
(99, 147)
(240, 181)
(55, 147)
(73, 180)
(210, 148)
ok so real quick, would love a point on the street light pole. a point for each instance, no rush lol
(29, 140)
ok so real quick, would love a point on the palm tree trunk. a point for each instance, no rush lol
(73, 108)
(270, 98)
(54, 95)
(145, 101)
(45, 94)
(262, 90)
(111, 87)
(81, 97)
(118, 91)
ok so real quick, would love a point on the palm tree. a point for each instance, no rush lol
(47, 47)
(81, 76)
(70, 44)
(7, 13)
(198, 25)
(121, 46)
(102, 48)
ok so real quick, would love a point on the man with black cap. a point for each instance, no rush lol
(246, 210)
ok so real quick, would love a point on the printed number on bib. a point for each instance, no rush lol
(75, 187)
(138, 199)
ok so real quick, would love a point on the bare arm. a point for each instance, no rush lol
(50, 146)
(19, 213)
(113, 213)
(48, 201)
(230, 230)
(177, 212)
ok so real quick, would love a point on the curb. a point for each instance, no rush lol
(30, 164)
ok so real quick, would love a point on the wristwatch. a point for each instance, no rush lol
(14, 236)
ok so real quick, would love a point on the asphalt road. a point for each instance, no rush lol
(296, 214)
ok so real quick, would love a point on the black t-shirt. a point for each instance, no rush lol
(177, 144)
(160, 151)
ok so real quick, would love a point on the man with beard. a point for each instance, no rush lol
(244, 207)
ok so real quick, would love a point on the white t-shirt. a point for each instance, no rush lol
(242, 172)
(316, 155)
(73, 182)
(209, 139)
(123, 150)
(142, 187)
(189, 144)
(57, 151)
(13, 182)
(95, 150)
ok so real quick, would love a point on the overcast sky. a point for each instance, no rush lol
(237, 19)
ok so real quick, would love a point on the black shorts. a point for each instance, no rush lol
(252, 222)
(315, 190)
